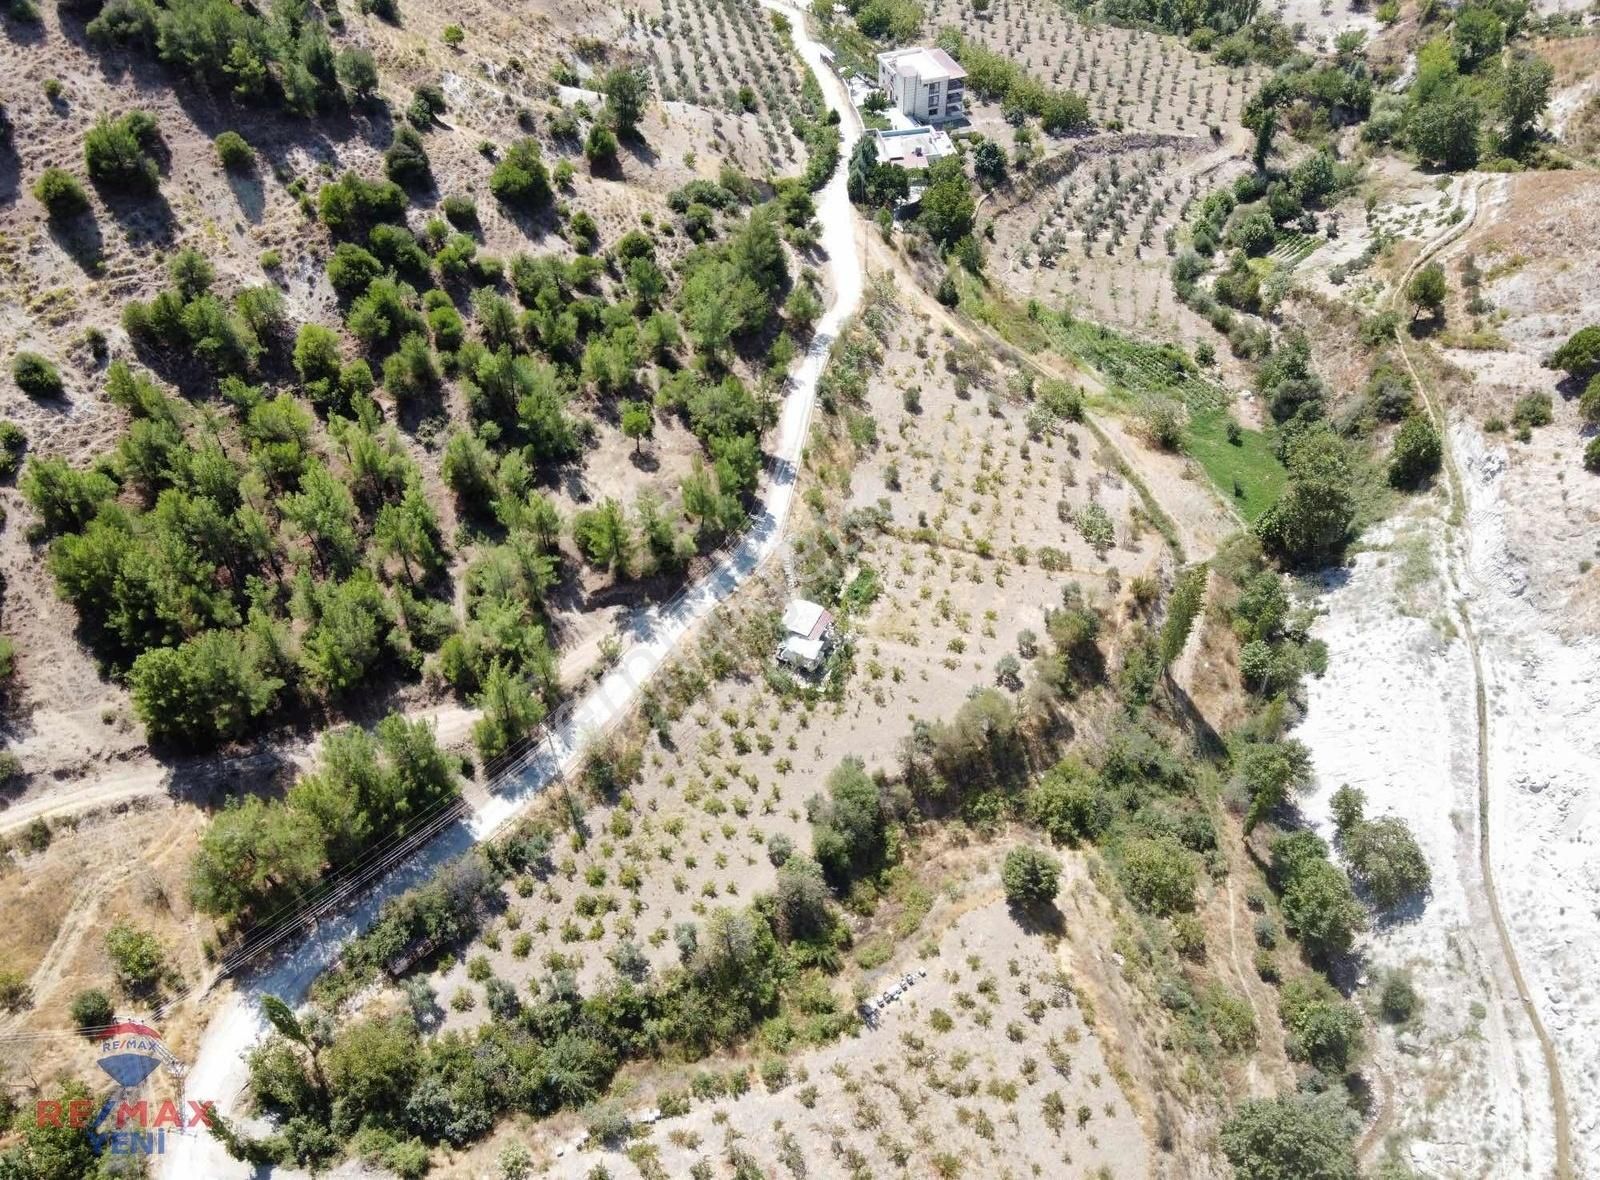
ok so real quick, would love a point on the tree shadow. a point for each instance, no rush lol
(644, 460)
(81, 240)
(639, 148)
(249, 191)
(10, 171)
(24, 32)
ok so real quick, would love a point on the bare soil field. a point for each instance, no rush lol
(1533, 245)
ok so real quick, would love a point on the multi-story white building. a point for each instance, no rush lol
(926, 84)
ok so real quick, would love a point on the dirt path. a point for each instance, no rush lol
(1458, 575)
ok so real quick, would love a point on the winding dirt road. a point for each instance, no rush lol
(1461, 577)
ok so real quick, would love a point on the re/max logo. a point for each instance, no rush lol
(138, 1131)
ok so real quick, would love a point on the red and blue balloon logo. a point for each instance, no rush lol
(130, 1052)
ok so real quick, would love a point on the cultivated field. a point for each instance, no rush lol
(1133, 80)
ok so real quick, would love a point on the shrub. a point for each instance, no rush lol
(136, 956)
(12, 443)
(1399, 1001)
(60, 193)
(234, 153)
(460, 211)
(600, 148)
(1292, 1136)
(90, 1010)
(406, 161)
(117, 152)
(1031, 876)
(1535, 409)
(1385, 857)
(35, 375)
(520, 178)
(1159, 875)
(1416, 455)
(1580, 355)
(1323, 1029)
(1591, 455)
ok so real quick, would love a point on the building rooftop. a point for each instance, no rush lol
(929, 65)
(912, 147)
(805, 619)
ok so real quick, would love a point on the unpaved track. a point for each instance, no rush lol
(1458, 571)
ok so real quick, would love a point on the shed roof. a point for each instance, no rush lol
(805, 619)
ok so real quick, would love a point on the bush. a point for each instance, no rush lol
(35, 375)
(1323, 1029)
(90, 1011)
(406, 161)
(1416, 455)
(1535, 409)
(1031, 876)
(12, 443)
(234, 153)
(60, 193)
(1385, 857)
(1300, 1135)
(117, 152)
(136, 956)
(1580, 355)
(520, 178)
(600, 148)
(1399, 1001)
(1159, 875)
(1591, 455)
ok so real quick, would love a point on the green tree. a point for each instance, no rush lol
(1031, 877)
(117, 152)
(510, 712)
(1417, 453)
(1312, 518)
(1427, 291)
(1069, 803)
(1317, 899)
(1524, 96)
(1269, 773)
(1477, 33)
(372, 1065)
(1323, 1029)
(603, 536)
(600, 147)
(65, 498)
(1296, 1137)
(627, 93)
(1444, 130)
(35, 375)
(210, 689)
(638, 423)
(520, 179)
(254, 857)
(1385, 857)
(137, 956)
(989, 162)
(849, 825)
(947, 209)
(90, 1011)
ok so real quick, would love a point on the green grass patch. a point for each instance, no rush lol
(1247, 472)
